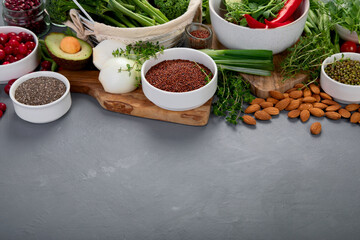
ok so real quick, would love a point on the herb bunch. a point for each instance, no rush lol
(232, 92)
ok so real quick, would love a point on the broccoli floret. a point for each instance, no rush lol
(172, 8)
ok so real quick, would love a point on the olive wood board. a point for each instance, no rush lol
(134, 103)
(260, 86)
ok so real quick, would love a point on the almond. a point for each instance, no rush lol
(317, 97)
(262, 115)
(266, 104)
(333, 108)
(329, 102)
(286, 95)
(325, 96)
(299, 85)
(257, 101)
(296, 94)
(315, 128)
(309, 100)
(320, 105)
(304, 115)
(272, 100)
(290, 90)
(333, 115)
(294, 104)
(352, 107)
(305, 106)
(307, 92)
(315, 89)
(317, 112)
(277, 95)
(344, 113)
(252, 108)
(281, 105)
(272, 111)
(355, 117)
(294, 113)
(249, 120)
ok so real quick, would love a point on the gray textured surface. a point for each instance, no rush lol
(95, 174)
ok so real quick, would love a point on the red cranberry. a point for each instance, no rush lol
(5, 63)
(14, 43)
(7, 89)
(11, 34)
(28, 38)
(23, 49)
(12, 58)
(15, 51)
(19, 56)
(30, 45)
(1, 46)
(1, 114)
(46, 65)
(22, 35)
(3, 39)
(28, 52)
(2, 54)
(8, 50)
(11, 81)
(2, 107)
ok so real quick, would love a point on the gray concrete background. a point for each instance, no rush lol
(95, 174)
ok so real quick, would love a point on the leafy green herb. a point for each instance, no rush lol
(206, 12)
(207, 77)
(232, 92)
(172, 8)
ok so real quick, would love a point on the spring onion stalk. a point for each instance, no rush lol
(256, 62)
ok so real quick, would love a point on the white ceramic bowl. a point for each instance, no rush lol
(42, 113)
(176, 101)
(345, 34)
(342, 93)
(238, 37)
(23, 66)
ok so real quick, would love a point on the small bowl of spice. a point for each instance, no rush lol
(41, 97)
(198, 36)
(179, 79)
(340, 77)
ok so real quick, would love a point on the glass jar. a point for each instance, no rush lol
(198, 36)
(30, 15)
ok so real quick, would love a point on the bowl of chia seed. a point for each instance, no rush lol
(340, 77)
(41, 97)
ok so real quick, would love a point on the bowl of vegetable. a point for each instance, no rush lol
(340, 77)
(179, 79)
(41, 97)
(19, 52)
(276, 34)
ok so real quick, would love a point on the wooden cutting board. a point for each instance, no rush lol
(260, 86)
(134, 103)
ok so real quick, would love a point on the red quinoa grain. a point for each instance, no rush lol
(178, 75)
(200, 33)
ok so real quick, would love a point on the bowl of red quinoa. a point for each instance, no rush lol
(41, 97)
(179, 79)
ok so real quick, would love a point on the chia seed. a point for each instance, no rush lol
(40, 91)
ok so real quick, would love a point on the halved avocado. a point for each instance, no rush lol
(75, 61)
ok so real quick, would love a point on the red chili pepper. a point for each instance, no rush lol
(253, 23)
(270, 24)
(288, 10)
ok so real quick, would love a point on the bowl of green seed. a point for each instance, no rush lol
(41, 97)
(340, 77)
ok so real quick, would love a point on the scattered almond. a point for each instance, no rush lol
(257, 101)
(304, 115)
(281, 105)
(352, 107)
(266, 104)
(309, 100)
(294, 104)
(325, 96)
(355, 117)
(315, 89)
(272, 100)
(317, 97)
(294, 113)
(299, 85)
(315, 128)
(252, 108)
(320, 105)
(249, 120)
(317, 112)
(286, 95)
(296, 94)
(307, 92)
(262, 115)
(290, 90)
(333, 115)
(305, 106)
(329, 102)
(344, 113)
(333, 108)
(277, 95)
(272, 111)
